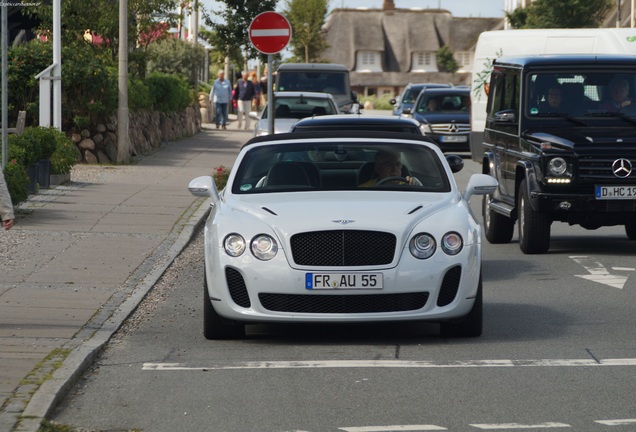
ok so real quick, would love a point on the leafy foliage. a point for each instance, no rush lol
(307, 18)
(220, 176)
(234, 20)
(446, 60)
(65, 155)
(139, 96)
(561, 14)
(169, 93)
(17, 181)
(176, 57)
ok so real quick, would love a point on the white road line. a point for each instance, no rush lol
(393, 428)
(520, 426)
(393, 364)
(598, 273)
(621, 422)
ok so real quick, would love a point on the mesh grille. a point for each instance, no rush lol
(345, 304)
(343, 248)
(236, 285)
(450, 285)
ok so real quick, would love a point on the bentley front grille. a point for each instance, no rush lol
(343, 304)
(343, 248)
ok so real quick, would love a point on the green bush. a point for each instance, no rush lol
(139, 97)
(41, 140)
(17, 181)
(176, 57)
(16, 149)
(379, 103)
(65, 156)
(169, 93)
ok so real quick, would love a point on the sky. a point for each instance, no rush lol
(459, 8)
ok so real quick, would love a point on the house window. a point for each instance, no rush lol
(368, 61)
(464, 59)
(424, 62)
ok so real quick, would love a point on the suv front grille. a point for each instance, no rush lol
(599, 167)
(343, 248)
(446, 128)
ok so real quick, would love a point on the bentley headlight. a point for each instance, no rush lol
(422, 246)
(234, 245)
(264, 247)
(557, 166)
(452, 243)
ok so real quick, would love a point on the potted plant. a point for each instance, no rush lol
(63, 159)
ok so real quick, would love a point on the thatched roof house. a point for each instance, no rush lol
(387, 48)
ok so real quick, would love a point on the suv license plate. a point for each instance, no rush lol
(453, 138)
(343, 281)
(615, 192)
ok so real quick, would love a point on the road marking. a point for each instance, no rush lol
(521, 426)
(621, 422)
(393, 364)
(598, 273)
(393, 428)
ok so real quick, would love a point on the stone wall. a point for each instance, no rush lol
(146, 131)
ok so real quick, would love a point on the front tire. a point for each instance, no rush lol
(214, 326)
(630, 230)
(497, 227)
(472, 324)
(534, 226)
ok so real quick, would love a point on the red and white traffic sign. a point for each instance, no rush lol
(270, 32)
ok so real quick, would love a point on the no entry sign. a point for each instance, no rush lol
(270, 32)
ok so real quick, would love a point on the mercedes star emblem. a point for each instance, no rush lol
(622, 168)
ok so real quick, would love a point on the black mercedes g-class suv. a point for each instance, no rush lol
(560, 138)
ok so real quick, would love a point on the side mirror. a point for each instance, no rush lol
(355, 108)
(204, 186)
(392, 101)
(455, 161)
(505, 116)
(254, 115)
(480, 184)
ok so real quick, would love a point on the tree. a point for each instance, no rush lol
(561, 14)
(234, 20)
(446, 60)
(307, 18)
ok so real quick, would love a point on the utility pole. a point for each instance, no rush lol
(5, 96)
(618, 14)
(123, 145)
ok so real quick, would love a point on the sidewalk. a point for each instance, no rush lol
(82, 256)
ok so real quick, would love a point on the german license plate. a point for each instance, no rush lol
(615, 192)
(453, 138)
(343, 281)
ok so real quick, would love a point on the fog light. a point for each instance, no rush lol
(559, 180)
(565, 205)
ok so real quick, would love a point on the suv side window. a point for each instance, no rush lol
(503, 103)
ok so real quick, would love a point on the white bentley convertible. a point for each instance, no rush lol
(342, 227)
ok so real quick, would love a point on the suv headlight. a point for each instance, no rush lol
(264, 247)
(422, 246)
(425, 128)
(557, 166)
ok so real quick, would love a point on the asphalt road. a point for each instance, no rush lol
(558, 352)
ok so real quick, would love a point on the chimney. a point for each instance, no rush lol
(388, 5)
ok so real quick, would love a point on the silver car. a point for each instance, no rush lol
(289, 107)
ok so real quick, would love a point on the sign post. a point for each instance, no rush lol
(270, 33)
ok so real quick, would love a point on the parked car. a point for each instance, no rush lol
(404, 102)
(445, 117)
(289, 107)
(319, 77)
(305, 231)
(569, 162)
(350, 122)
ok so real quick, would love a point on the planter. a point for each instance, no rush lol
(32, 172)
(44, 173)
(59, 179)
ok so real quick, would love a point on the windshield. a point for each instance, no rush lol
(589, 94)
(319, 166)
(440, 102)
(326, 82)
(300, 107)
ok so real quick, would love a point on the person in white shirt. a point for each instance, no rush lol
(6, 207)
(220, 96)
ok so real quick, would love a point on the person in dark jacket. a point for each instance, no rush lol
(244, 93)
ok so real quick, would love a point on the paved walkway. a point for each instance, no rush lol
(83, 255)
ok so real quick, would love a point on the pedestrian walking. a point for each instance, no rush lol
(244, 94)
(6, 206)
(256, 102)
(220, 96)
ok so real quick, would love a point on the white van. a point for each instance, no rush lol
(494, 44)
